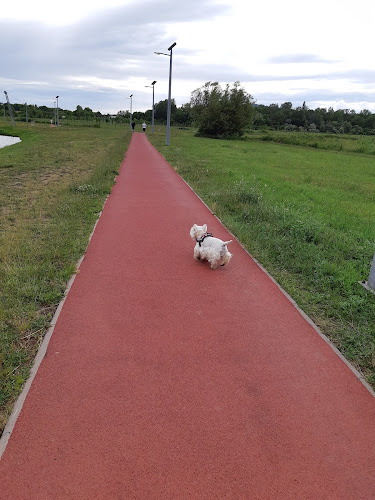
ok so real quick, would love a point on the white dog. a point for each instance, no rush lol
(209, 248)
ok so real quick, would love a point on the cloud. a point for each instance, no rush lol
(105, 52)
(104, 41)
(299, 59)
(99, 59)
(320, 97)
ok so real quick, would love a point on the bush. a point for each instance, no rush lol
(221, 113)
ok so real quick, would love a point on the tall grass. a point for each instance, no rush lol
(52, 188)
(330, 142)
(307, 215)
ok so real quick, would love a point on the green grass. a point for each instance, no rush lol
(332, 142)
(307, 214)
(52, 187)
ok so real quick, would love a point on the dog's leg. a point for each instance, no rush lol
(226, 258)
(213, 264)
(197, 255)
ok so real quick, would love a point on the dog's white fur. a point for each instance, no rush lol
(211, 249)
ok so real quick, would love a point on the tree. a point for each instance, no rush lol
(221, 113)
(183, 115)
(78, 112)
(161, 110)
(148, 115)
(88, 114)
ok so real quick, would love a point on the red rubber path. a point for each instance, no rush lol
(165, 379)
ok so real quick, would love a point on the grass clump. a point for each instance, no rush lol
(330, 142)
(49, 201)
(308, 215)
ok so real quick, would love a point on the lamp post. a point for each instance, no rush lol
(153, 102)
(170, 88)
(131, 109)
(57, 110)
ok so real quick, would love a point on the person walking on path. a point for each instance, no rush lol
(144, 127)
(133, 125)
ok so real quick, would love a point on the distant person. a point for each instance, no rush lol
(133, 125)
(144, 127)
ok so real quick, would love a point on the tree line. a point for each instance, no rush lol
(220, 112)
(301, 118)
(46, 113)
(179, 115)
(229, 112)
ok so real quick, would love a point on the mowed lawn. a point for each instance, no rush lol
(52, 188)
(307, 215)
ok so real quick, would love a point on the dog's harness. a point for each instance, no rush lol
(201, 238)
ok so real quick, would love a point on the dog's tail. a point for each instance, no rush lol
(224, 249)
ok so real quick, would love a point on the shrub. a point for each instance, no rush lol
(221, 113)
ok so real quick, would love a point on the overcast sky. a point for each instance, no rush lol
(96, 53)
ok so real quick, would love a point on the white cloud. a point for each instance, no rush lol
(56, 13)
(90, 51)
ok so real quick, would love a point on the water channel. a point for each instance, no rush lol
(6, 140)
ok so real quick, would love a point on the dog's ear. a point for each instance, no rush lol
(204, 228)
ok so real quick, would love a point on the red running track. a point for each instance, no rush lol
(165, 379)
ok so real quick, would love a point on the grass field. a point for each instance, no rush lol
(306, 211)
(52, 187)
(329, 142)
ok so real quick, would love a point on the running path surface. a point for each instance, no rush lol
(165, 379)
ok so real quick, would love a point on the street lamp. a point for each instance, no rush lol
(131, 109)
(153, 102)
(170, 88)
(57, 110)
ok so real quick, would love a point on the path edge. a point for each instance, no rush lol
(18, 405)
(360, 377)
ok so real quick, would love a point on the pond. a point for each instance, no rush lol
(6, 140)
